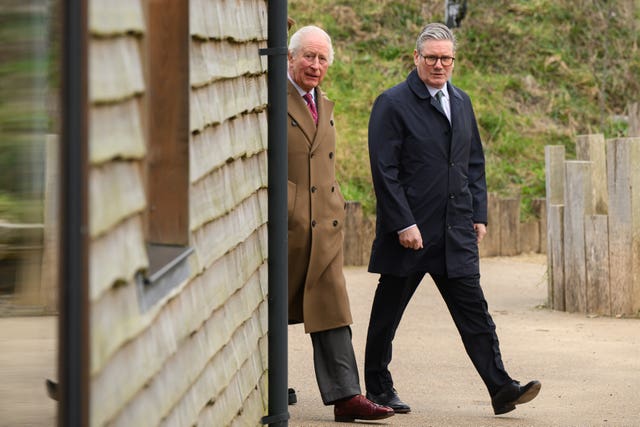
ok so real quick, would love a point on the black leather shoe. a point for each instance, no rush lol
(390, 398)
(293, 399)
(512, 394)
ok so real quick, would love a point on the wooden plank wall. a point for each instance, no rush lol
(199, 356)
(594, 234)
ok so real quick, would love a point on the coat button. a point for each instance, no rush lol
(452, 164)
(335, 222)
(313, 223)
(452, 196)
(313, 189)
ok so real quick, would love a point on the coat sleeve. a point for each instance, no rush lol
(386, 130)
(477, 177)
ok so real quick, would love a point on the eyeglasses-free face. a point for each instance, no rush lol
(435, 62)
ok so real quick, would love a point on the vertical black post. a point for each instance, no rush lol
(73, 330)
(277, 212)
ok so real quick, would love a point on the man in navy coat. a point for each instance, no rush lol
(428, 171)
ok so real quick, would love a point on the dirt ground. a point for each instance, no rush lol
(589, 366)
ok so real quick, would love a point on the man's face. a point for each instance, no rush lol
(309, 65)
(435, 75)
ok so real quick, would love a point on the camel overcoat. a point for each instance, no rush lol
(316, 213)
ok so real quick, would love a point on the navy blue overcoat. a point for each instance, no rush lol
(429, 172)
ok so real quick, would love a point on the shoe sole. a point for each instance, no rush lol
(527, 396)
(530, 394)
(345, 419)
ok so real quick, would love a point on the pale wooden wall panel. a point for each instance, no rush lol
(216, 238)
(219, 192)
(116, 191)
(116, 17)
(181, 370)
(245, 135)
(109, 263)
(215, 60)
(240, 20)
(224, 99)
(115, 69)
(115, 131)
(116, 318)
(227, 405)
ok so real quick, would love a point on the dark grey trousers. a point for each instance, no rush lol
(335, 364)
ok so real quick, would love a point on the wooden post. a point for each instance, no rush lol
(539, 207)
(592, 148)
(554, 156)
(509, 226)
(555, 257)
(634, 120)
(490, 245)
(597, 264)
(368, 233)
(352, 244)
(578, 203)
(529, 236)
(49, 277)
(623, 157)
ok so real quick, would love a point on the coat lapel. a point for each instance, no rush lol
(299, 114)
(325, 118)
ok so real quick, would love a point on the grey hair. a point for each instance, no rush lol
(296, 39)
(435, 31)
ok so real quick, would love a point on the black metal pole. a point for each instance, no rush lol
(73, 365)
(277, 213)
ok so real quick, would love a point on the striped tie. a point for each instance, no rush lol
(312, 107)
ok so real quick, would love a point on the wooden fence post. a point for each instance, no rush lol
(578, 203)
(597, 264)
(539, 207)
(490, 245)
(509, 226)
(592, 148)
(554, 185)
(623, 156)
(555, 257)
(352, 245)
(634, 120)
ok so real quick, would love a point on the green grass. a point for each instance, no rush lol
(539, 72)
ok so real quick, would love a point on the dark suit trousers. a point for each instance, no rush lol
(335, 364)
(466, 303)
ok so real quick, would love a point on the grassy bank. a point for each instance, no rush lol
(539, 72)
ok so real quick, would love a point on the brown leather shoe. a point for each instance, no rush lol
(360, 408)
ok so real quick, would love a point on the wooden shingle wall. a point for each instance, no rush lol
(199, 356)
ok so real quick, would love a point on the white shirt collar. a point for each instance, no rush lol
(301, 91)
(433, 91)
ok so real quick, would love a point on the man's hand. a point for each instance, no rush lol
(481, 230)
(411, 238)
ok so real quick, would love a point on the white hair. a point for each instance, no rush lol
(296, 39)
